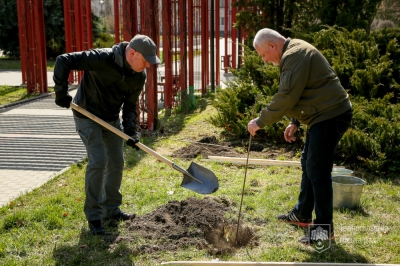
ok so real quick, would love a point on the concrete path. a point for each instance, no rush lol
(37, 142)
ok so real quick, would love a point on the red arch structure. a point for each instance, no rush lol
(187, 36)
(78, 30)
(32, 45)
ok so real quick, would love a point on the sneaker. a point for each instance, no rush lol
(291, 218)
(96, 228)
(315, 235)
(121, 216)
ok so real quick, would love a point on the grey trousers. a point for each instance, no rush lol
(104, 170)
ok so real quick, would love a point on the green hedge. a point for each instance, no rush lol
(373, 141)
(368, 66)
(364, 67)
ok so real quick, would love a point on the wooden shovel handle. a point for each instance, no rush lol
(120, 133)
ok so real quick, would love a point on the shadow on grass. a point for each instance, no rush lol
(4, 90)
(358, 211)
(93, 250)
(13, 94)
(333, 253)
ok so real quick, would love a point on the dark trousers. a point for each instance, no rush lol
(104, 169)
(317, 162)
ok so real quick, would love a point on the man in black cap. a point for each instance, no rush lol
(113, 79)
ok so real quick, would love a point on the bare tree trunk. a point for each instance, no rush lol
(289, 6)
(279, 14)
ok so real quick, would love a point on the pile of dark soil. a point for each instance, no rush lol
(210, 146)
(191, 222)
(205, 147)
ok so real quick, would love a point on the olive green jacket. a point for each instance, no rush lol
(309, 90)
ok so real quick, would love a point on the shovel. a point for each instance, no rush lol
(196, 178)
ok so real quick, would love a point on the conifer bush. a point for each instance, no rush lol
(373, 141)
(364, 67)
(369, 68)
(255, 82)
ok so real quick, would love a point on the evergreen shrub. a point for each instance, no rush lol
(105, 40)
(373, 141)
(365, 67)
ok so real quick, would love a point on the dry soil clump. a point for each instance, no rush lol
(194, 222)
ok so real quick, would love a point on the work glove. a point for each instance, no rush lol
(133, 140)
(63, 99)
(130, 131)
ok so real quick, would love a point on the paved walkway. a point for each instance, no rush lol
(37, 142)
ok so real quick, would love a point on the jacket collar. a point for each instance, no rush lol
(286, 45)
(119, 54)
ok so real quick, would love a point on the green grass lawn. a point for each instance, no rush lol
(9, 94)
(6, 63)
(47, 226)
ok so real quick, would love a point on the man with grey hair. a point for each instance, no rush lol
(309, 93)
(113, 79)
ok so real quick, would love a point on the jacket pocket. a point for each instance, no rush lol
(302, 112)
(284, 83)
(84, 127)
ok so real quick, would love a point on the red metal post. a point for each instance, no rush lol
(68, 13)
(175, 45)
(207, 46)
(116, 21)
(234, 37)
(22, 37)
(190, 41)
(217, 42)
(78, 30)
(183, 45)
(40, 43)
(148, 27)
(226, 35)
(129, 19)
(30, 70)
(167, 55)
(33, 51)
(87, 27)
(67, 25)
(204, 44)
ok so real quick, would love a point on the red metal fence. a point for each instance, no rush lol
(78, 30)
(186, 32)
(32, 45)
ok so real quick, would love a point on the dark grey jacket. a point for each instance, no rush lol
(108, 83)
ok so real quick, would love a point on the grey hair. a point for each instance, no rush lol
(266, 35)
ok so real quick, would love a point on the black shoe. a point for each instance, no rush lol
(121, 216)
(315, 235)
(96, 228)
(291, 218)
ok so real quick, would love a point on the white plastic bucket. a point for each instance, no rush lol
(347, 191)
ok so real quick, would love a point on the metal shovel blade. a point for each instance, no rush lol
(209, 180)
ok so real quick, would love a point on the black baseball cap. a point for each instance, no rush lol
(145, 46)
